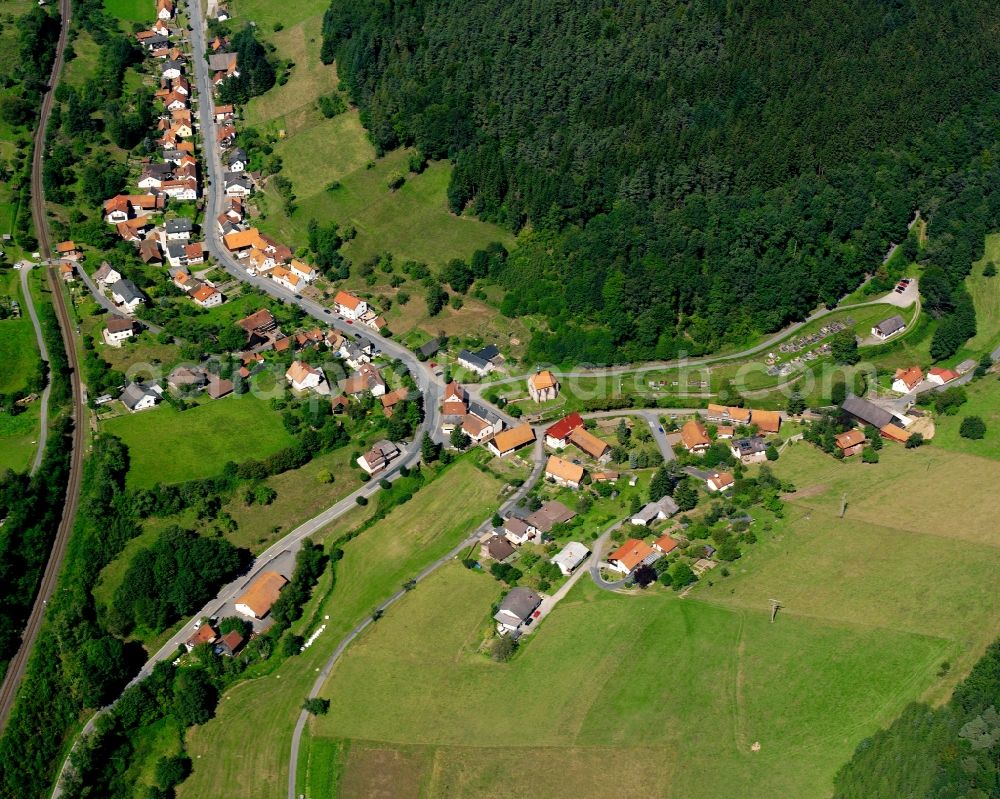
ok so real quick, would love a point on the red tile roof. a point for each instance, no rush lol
(561, 429)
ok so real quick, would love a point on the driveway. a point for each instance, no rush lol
(597, 553)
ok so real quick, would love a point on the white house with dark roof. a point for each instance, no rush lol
(889, 327)
(138, 397)
(515, 609)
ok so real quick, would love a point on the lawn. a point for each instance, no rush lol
(244, 750)
(265, 13)
(18, 438)
(18, 352)
(130, 10)
(168, 446)
(984, 402)
(630, 680)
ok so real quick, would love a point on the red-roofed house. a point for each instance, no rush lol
(905, 380)
(557, 436)
(631, 555)
(940, 376)
(348, 305)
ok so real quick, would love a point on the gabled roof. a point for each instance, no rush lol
(118, 324)
(348, 300)
(561, 429)
(632, 553)
(733, 412)
(179, 225)
(542, 380)
(263, 593)
(588, 442)
(665, 544)
(895, 433)
(694, 434)
(509, 440)
(891, 325)
(867, 411)
(767, 421)
(721, 480)
(562, 469)
(911, 377)
(849, 439)
(945, 375)
(203, 293)
(519, 604)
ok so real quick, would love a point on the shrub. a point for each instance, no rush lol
(973, 427)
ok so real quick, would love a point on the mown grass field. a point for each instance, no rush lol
(984, 402)
(18, 438)
(167, 446)
(130, 10)
(244, 750)
(18, 351)
(264, 13)
(985, 293)
(873, 604)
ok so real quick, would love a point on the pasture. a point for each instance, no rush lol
(130, 10)
(169, 446)
(245, 748)
(18, 437)
(18, 352)
(985, 293)
(984, 402)
(630, 680)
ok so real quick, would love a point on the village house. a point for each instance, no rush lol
(223, 113)
(304, 377)
(939, 376)
(171, 69)
(187, 378)
(302, 271)
(557, 435)
(482, 362)
(729, 414)
(260, 597)
(391, 399)
(481, 423)
(379, 456)
(694, 436)
(549, 515)
(106, 275)
(570, 557)
(238, 184)
(368, 380)
(229, 644)
(509, 441)
(889, 327)
(206, 296)
(242, 242)
(496, 548)
(348, 305)
(516, 609)
(663, 508)
(205, 634)
(905, 380)
(518, 531)
(179, 229)
(631, 555)
(749, 450)
(149, 251)
(123, 207)
(66, 273)
(850, 443)
(68, 250)
(543, 386)
(236, 160)
(164, 9)
(284, 277)
(138, 397)
(117, 330)
(454, 407)
(261, 328)
(153, 175)
(724, 432)
(563, 472)
(665, 544)
(720, 481)
(218, 387)
(127, 295)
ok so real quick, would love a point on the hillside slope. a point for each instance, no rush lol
(713, 169)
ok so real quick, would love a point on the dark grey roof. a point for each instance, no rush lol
(472, 359)
(133, 394)
(749, 446)
(175, 249)
(234, 178)
(157, 40)
(172, 65)
(891, 325)
(489, 352)
(128, 291)
(173, 155)
(428, 349)
(867, 412)
(180, 225)
(238, 154)
(520, 603)
(483, 413)
(159, 170)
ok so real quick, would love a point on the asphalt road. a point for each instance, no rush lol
(18, 663)
(43, 432)
(652, 417)
(105, 302)
(538, 458)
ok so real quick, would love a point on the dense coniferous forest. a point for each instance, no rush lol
(692, 172)
(950, 751)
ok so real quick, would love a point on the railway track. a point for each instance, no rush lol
(16, 669)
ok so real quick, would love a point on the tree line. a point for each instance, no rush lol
(696, 177)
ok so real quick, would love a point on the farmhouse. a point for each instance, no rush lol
(496, 548)
(589, 443)
(663, 508)
(348, 305)
(767, 421)
(905, 380)
(117, 330)
(850, 443)
(889, 327)
(379, 456)
(482, 362)
(571, 556)
(749, 450)
(257, 601)
(694, 436)
(261, 328)
(631, 555)
(720, 481)
(480, 422)
(867, 412)
(557, 436)
(543, 386)
(304, 377)
(563, 472)
(508, 441)
(516, 609)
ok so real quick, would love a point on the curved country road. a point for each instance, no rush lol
(15, 671)
(43, 430)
